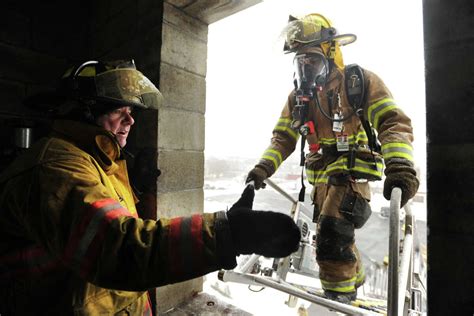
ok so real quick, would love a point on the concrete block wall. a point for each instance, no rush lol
(181, 129)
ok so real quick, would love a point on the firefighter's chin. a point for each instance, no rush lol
(121, 138)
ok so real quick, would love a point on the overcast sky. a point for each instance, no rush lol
(249, 76)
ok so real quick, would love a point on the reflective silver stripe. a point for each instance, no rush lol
(352, 139)
(361, 136)
(327, 141)
(284, 125)
(364, 167)
(316, 176)
(91, 232)
(342, 286)
(397, 150)
(274, 156)
(377, 109)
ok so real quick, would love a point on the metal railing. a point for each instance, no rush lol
(400, 271)
(401, 287)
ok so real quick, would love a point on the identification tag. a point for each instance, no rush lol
(337, 126)
(342, 142)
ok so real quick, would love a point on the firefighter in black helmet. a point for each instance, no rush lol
(71, 242)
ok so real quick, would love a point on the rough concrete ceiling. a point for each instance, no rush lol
(210, 11)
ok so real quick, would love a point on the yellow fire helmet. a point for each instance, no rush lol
(312, 30)
(102, 86)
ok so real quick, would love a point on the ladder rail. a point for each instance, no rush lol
(400, 280)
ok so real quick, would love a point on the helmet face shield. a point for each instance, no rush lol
(312, 30)
(302, 32)
(128, 85)
(311, 72)
(93, 88)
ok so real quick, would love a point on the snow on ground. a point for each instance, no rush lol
(265, 302)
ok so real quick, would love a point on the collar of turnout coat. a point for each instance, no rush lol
(96, 141)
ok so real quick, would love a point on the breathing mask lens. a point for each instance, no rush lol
(311, 72)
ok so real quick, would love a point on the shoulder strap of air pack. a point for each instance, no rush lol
(355, 85)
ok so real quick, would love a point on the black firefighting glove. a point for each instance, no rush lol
(401, 174)
(257, 175)
(267, 233)
(144, 173)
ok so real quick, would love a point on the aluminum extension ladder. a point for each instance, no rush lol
(405, 292)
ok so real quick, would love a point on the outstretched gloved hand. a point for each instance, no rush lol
(401, 174)
(257, 175)
(266, 233)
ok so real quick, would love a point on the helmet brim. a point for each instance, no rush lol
(128, 86)
(345, 39)
(342, 40)
(50, 101)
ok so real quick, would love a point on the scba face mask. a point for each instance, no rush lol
(311, 73)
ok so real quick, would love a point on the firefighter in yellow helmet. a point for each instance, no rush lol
(351, 122)
(71, 242)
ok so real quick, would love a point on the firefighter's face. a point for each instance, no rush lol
(311, 71)
(119, 122)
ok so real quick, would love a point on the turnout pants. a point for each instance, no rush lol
(340, 208)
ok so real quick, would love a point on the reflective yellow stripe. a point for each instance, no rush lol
(377, 109)
(361, 136)
(327, 141)
(397, 150)
(275, 152)
(316, 176)
(344, 289)
(284, 120)
(375, 106)
(362, 166)
(341, 286)
(368, 170)
(272, 159)
(274, 156)
(284, 125)
(352, 139)
(398, 155)
(360, 276)
(380, 113)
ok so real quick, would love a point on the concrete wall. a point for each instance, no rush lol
(181, 129)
